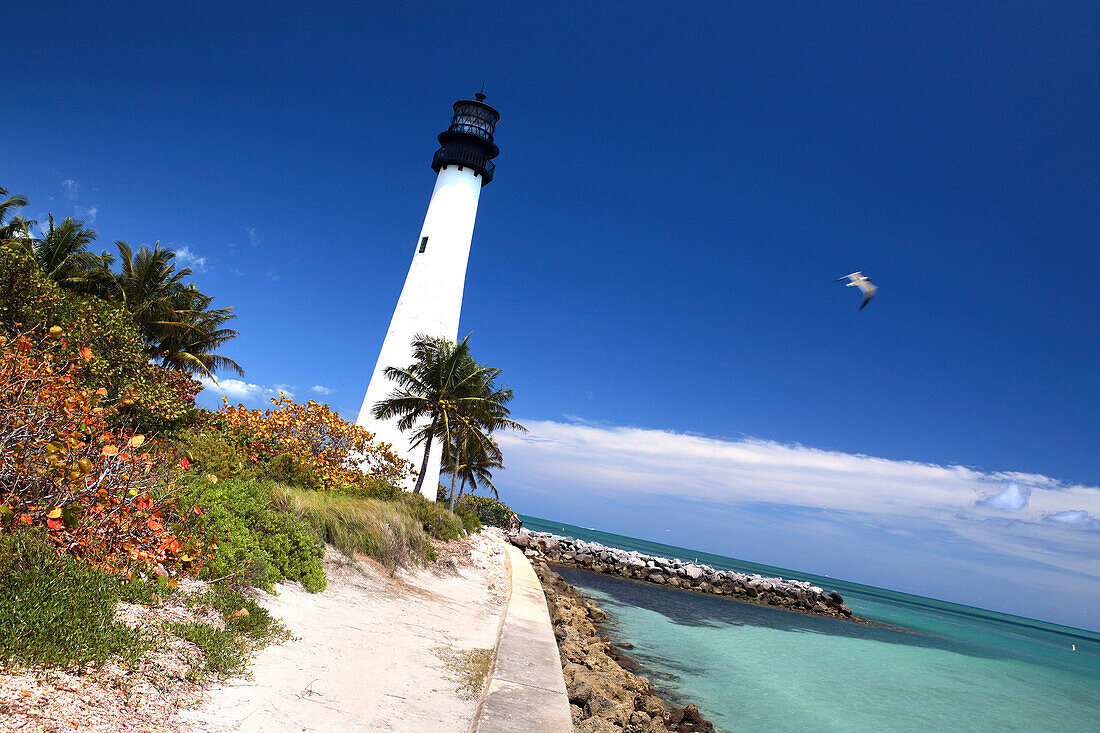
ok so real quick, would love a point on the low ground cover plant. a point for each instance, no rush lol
(59, 611)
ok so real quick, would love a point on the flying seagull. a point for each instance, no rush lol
(861, 281)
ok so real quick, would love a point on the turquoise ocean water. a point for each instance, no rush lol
(757, 668)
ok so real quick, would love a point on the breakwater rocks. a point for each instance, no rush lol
(794, 595)
(604, 697)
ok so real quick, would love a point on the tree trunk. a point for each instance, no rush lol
(427, 457)
(454, 476)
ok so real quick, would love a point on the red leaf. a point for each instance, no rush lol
(55, 524)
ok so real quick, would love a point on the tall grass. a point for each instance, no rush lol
(384, 530)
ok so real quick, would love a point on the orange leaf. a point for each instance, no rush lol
(85, 353)
(55, 524)
(136, 441)
(102, 391)
(240, 613)
(110, 450)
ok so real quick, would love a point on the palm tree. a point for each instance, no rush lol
(174, 318)
(472, 462)
(190, 346)
(16, 226)
(13, 201)
(62, 253)
(453, 394)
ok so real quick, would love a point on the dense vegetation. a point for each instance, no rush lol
(114, 485)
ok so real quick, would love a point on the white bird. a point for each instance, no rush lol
(861, 281)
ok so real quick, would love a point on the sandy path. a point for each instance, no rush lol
(369, 652)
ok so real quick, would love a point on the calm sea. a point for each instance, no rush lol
(757, 668)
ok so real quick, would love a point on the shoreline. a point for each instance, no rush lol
(792, 595)
(605, 694)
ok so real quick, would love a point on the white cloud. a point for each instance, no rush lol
(72, 189)
(253, 238)
(187, 258)
(273, 276)
(320, 389)
(1074, 518)
(86, 214)
(1012, 499)
(238, 389)
(619, 459)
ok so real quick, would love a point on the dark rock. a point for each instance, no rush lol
(688, 720)
(579, 692)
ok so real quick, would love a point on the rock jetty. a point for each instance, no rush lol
(604, 696)
(794, 595)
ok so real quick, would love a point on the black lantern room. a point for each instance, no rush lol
(468, 142)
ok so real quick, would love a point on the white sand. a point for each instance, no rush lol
(369, 652)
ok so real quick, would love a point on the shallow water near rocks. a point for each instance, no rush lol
(756, 668)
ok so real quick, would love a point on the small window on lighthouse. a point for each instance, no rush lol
(423, 243)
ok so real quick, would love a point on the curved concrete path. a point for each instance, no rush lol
(526, 691)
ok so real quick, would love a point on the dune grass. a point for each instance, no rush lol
(384, 530)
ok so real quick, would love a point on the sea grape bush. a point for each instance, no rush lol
(312, 440)
(94, 488)
(147, 397)
(489, 511)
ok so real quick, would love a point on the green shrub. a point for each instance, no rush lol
(471, 522)
(384, 530)
(436, 519)
(58, 611)
(255, 543)
(211, 452)
(285, 468)
(489, 511)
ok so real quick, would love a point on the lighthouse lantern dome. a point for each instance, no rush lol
(468, 142)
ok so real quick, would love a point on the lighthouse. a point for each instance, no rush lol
(431, 298)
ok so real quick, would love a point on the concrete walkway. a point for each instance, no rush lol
(526, 691)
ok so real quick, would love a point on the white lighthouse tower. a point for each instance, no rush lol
(431, 299)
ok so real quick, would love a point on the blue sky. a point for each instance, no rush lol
(677, 189)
